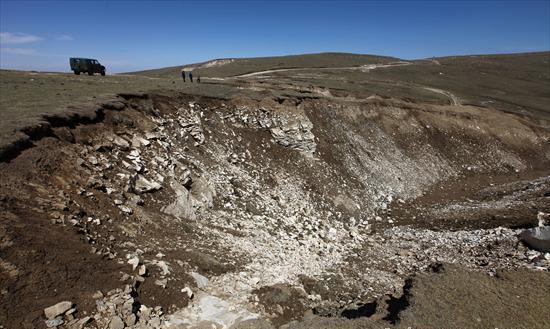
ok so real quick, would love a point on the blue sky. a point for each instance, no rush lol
(126, 35)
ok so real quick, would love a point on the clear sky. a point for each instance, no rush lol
(132, 35)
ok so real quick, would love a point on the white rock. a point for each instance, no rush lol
(121, 142)
(140, 184)
(164, 267)
(200, 280)
(161, 283)
(142, 270)
(57, 309)
(126, 210)
(54, 323)
(116, 323)
(188, 291)
(134, 261)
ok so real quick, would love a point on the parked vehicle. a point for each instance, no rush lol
(86, 65)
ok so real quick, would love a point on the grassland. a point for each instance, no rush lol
(248, 65)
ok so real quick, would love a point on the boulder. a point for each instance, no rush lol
(139, 184)
(121, 142)
(183, 206)
(537, 238)
(57, 309)
(134, 261)
(200, 280)
(116, 323)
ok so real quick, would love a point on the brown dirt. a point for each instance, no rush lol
(51, 263)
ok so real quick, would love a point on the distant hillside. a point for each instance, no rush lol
(518, 83)
(237, 66)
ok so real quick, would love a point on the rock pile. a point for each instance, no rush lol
(119, 309)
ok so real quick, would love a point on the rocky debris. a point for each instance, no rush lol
(190, 123)
(295, 135)
(289, 129)
(119, 309)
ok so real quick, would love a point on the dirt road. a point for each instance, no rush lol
(365, 68)
(452, 97)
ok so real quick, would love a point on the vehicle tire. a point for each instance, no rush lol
(90, 73)
(77, 72)
(103, 73)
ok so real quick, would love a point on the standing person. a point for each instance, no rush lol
(198, 79)
(183, 75)
(191, 77)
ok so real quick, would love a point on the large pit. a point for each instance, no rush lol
(189, 211)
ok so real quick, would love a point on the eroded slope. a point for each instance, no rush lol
(224, 211)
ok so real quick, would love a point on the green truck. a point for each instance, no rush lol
(91, 66)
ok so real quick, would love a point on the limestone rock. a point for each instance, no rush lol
(142, 270)
(116, 323)
(134, 261)
(200, 280)
(188, 291)
(57, 309)
(54, 322)
(183, 206)
(295, 133)
(139, 184)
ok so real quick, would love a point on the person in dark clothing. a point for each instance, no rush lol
(183, 75)
(198, 79)
(191, 77)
